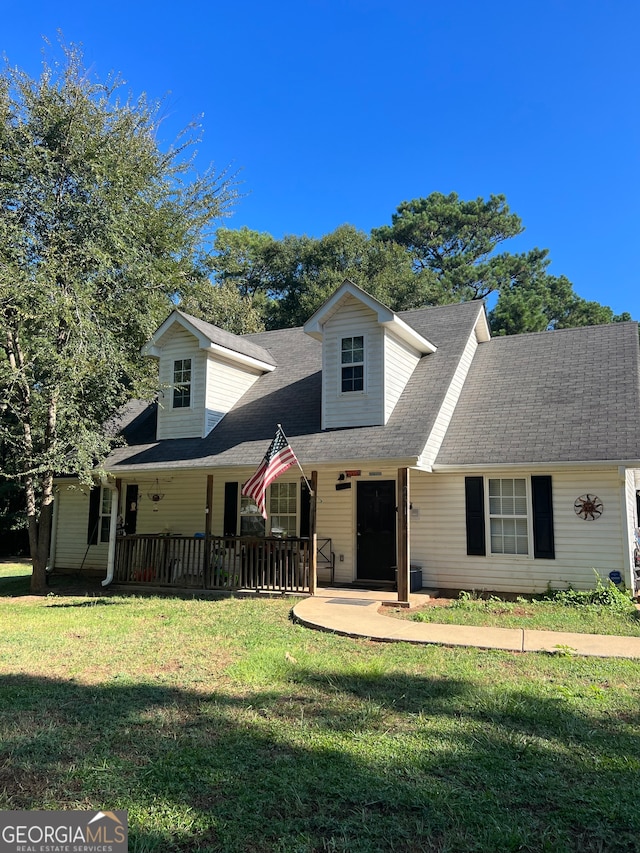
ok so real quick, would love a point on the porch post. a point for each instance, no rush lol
(209, 509)
(313, 535)
(403, 536)
(628, 532)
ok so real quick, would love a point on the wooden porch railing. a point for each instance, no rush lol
(216, 562)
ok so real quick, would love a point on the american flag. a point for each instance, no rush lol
(278, 458)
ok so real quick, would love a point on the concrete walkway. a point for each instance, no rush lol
(356, 613)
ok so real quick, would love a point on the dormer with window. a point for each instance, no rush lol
(203, 372)
(368, 356)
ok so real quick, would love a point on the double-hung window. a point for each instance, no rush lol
(182, 383)
(508, 515)
(352, 362)
(105, 514)
(514, 513)
(283, 505)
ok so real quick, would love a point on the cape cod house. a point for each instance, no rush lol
(440, 457)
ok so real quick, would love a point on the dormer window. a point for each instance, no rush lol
(353, 364)
(182, 383)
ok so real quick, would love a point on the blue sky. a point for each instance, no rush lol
(338, 111)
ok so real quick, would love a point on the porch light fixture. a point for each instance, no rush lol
(155, 496)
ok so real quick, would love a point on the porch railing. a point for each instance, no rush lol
(216, 562)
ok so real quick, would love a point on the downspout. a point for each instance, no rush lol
(626, 533)
(111, 553)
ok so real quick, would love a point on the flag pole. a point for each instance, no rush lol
(297, 460)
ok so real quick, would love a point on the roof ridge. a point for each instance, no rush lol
(594, 326)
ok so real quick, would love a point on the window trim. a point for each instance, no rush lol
(104, 518)
(360, 391)
(295, 514)
(528, 517)
(268, 522)
(177, 387)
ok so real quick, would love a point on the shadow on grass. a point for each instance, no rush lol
(15, 585)
(89, 602)
(325, 763)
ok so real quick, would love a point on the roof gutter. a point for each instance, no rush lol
(149, 470)
(538, 466)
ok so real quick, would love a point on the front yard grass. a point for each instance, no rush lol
(223, 726)
(566, 613)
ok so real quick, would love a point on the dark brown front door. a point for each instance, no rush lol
(376, 530)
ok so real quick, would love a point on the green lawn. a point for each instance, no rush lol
(222, 726)
(536, 615)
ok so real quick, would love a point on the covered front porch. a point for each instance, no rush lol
(229, 556)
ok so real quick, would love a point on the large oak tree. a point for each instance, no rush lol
(101, 231)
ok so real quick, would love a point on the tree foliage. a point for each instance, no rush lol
(288, 279)
(223, 305)
(455, 241)
(437, 250)
(100, 232)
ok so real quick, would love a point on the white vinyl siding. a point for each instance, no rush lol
(336, 519)
(182, 511)
(438, 535)
(400, 361)
(443, 419)
(71, 535)
(226, 384)
(185, 422)
(356, 408)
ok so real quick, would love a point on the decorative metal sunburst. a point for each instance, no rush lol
(588, 507)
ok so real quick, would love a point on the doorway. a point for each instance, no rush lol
(376, 531)
(131, 509)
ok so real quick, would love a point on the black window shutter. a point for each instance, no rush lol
(474, 505)
(305, 511)
(543, 544)
(94, 516)
(230, 509)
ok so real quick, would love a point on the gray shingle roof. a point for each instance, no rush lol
(291, 395)
(236, 343)
(564, 396)
(571, 395)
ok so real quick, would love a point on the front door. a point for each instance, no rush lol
(376, 530)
